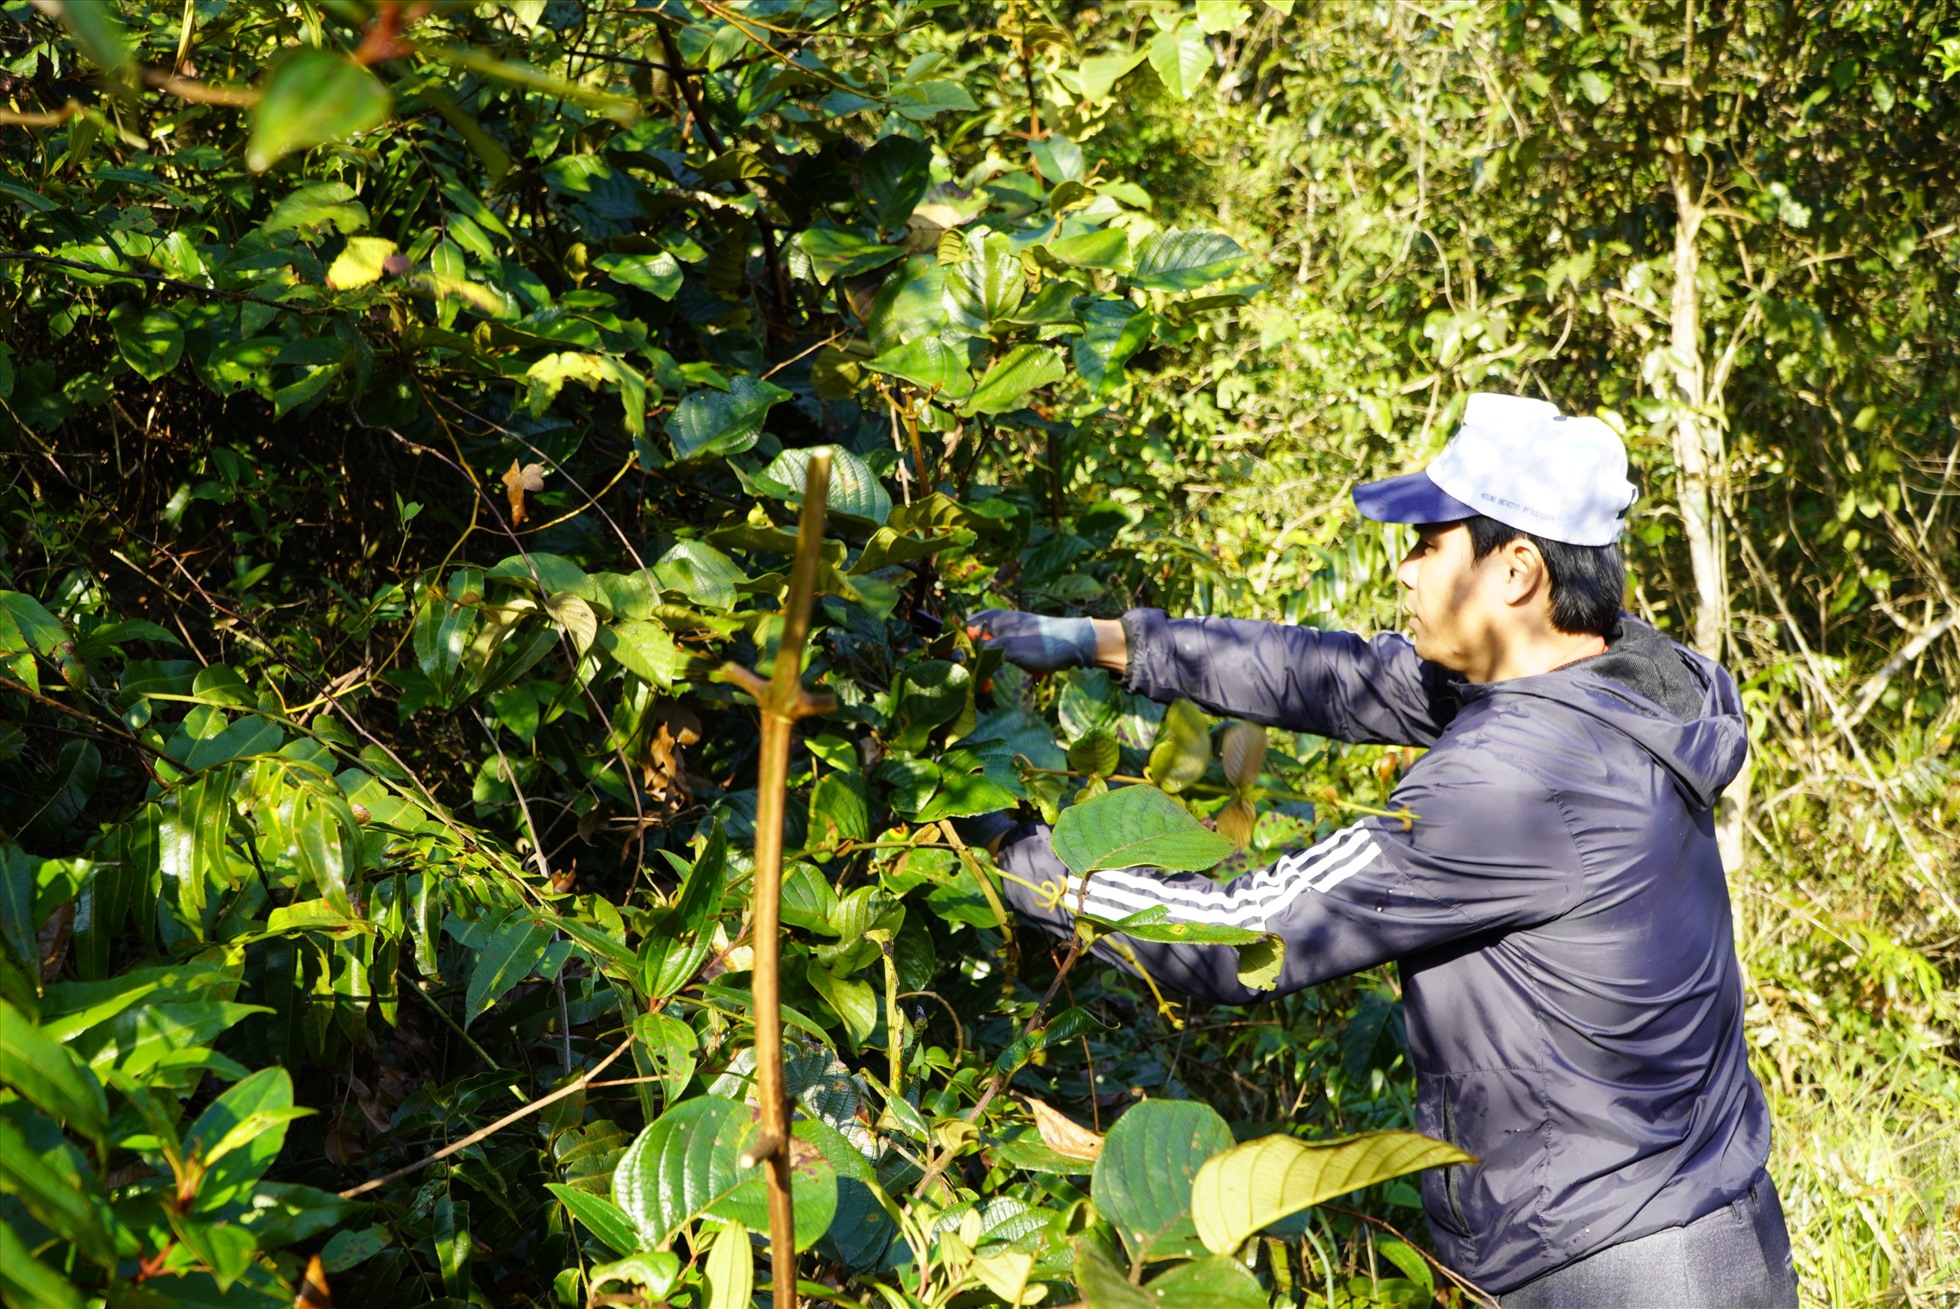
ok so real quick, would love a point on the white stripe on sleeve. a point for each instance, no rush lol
(1250, 901)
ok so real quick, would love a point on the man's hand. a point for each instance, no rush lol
(1038, 644)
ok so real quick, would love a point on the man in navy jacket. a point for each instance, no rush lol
(1557, 909)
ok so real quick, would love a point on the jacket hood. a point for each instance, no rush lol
(1680, 707)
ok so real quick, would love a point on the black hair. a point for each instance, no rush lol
(1589, 582)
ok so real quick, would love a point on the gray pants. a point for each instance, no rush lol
(1735, 1258)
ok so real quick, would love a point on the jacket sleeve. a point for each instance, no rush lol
(1489, 849)
(1334, 684)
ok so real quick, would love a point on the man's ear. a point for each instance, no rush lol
(1525, 575)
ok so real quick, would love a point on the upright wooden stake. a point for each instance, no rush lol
(782, 700)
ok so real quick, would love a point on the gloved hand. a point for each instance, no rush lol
(1038, 644)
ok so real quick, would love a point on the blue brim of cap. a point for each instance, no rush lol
(1410, 498)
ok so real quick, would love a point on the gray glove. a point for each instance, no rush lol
(1040, 645)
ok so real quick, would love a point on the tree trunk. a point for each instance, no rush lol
(1700, 460)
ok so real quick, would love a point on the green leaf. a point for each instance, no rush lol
(30, 1283)
(1213, 1283)
(151, 340)
(647, 650)
(240, 1134)
(1108, 248)
(1007, 384)
(930, 364)
(1184, 261)
(925, 695)
(1154, 924)
(1113, 331)
(1261, 961)
(1102, 1284)
(895, 173)
(723, 422)
(48, 1076)
(1181, 57)
(96, 29)
(986, 286)
(854, 492)
(1132, 826)
(1256, 1184)
(602, 1217)
(653, 1273)
(312, 98)
(700, 572)
(503, 952)
(836, 253)
(657, 274)
(1182, 751)
(360, 262)
(687, 1163)
(731, 1269)
(1100, 74)
(908, 308)
(1142, 1180)
(1221, 15)
(854, 1001)
(925, 100)
(51, 1189)
(1595, 86)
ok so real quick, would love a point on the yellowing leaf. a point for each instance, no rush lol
(1063, 1135)
(576, 617)
(360, 263)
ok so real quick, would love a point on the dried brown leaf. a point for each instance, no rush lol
(1063, 1135)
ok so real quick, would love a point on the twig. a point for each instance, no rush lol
(782, 700)
(498, 1126)
(1465, 1283)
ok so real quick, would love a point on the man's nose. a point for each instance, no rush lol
(1405, 572)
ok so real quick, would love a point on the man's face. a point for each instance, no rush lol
(1450, 597)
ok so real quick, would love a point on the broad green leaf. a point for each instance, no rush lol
(1182, 751)
(1595, 86)
(1102, 1283)
(731, 1269)
(312, 98)
(1016, 373)
(647, 650)
(1135, 826)
(723, 422)
(924, 100)
(1261, 961)
(658, 274)
(1142, 1180)
(700, 572)
(48, 1076)
(240, 1134)
(1068, 1025)
(1221, 15)
(909, 307)
(1100, 74)
(1212, 1283)
(986, 286)
(1256, 1184)
(654, 1273)
(930, 364)
(854, 1001)
(925, 695)
(836, 253)
(602, 1217)
(854, 491)
(360, 262)
(1154, 924)
(1107, 247)
(687, 1163)
(1181, 57)
(1184, 261)
(1112, 331)
(895, 173)
(1097, 753)
(151, 340)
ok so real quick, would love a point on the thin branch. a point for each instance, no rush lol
(483, 1133)
(32, 256)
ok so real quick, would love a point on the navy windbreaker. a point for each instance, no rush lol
(1557, 909)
